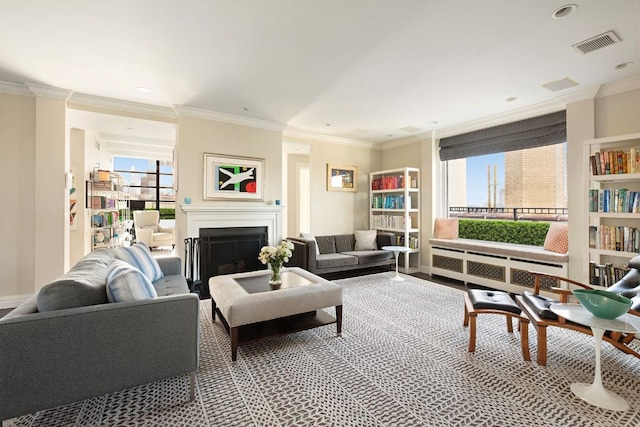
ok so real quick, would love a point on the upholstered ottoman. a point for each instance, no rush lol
(250, 310)
(479, 301)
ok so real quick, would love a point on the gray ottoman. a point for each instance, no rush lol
(250, 310)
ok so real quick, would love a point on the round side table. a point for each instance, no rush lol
(396, 251)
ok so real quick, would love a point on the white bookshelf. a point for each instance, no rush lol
(394, 206)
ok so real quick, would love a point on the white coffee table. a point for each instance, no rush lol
(396, 251)
(595, 393)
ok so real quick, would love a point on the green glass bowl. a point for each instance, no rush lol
(603, 304)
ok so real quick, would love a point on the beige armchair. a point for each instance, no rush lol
(149, 230)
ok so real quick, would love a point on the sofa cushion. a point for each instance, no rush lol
(345, 242)
(327, 244)
(309, 236)
(139, 256)
(84, 284)
(335, 260)
(365, 257)
(365, 240)
(174, 284)
(127, 283)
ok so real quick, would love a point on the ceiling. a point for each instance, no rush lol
(357, 69)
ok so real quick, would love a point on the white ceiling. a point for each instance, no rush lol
(374, 65)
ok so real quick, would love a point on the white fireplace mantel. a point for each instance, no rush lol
(224, 215)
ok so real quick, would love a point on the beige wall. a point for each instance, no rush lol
(198, 136)
(336, 212)
(405, 156)
(291, 200)
(17, 218)
(77, 241)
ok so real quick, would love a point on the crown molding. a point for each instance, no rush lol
(49, 91)
(579, 96)
(15, 89)
(619, 87)
(312, 136)
(197, 113)
(117, 104)
(400, 142)
(499, 119)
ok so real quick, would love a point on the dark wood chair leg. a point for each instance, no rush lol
(339, 320)
(213, 310)
(472, 332)
(509, 323)
(523, 325)
(542, 345)
(233, 334)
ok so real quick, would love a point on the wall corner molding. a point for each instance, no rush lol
(181, 110)
(582, 95)
(49, 91)
(15, 89)
(619, 87)
(300, 134)
(120, 105)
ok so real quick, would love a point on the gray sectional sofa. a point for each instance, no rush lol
(337, 253)
(68, 343)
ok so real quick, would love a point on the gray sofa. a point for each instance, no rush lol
(337, 253)
(85, 347)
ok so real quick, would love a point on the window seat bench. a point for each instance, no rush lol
(497, 265)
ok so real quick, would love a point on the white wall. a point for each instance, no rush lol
(17, 217)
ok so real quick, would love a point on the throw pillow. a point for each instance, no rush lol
(445, 228)
(127, 283)
(557, 239)
(366, 240)
(309, 236)
(139, 256)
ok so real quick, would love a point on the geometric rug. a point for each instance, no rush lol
(402, 360)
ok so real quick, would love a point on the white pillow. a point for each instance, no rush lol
(139, 256)
(127, 283)
(309, 236)
(366, 240)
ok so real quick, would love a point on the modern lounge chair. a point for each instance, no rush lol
(536, 308)
(149, 230)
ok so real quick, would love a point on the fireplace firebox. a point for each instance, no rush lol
(230, 250)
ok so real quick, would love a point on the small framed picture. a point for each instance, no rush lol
(233, 178)
(342, 178)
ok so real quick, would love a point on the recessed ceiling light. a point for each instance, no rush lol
(433, 122)
(129, 127)
(624, 65)
(511, 99)
(244, 109)
(389, 135)
(327, 124)
(564, 11)
(144, 89)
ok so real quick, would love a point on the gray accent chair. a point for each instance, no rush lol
(87, 347)
(337, 253)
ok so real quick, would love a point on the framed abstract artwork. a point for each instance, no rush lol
(233, 178)
(342, 178)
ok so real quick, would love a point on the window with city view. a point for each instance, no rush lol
(523, 184)
(149, 184)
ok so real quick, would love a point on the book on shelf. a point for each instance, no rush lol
(614, 238)
(618, 200)
(606, 274)
(615, 162)
(388, 183)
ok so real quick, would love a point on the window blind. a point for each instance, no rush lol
(534, 132)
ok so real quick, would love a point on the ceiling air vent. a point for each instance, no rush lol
(597, 42)
(562, 84)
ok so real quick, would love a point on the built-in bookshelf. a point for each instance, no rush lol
(108, 209)
(395, 207)
(612, 176)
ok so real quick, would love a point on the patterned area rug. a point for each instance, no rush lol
(402, 361)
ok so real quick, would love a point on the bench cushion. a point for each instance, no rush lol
(513, 250)
(492, 300)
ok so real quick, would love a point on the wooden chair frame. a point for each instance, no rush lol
(617, 339)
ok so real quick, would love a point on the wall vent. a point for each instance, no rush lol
(597, 42)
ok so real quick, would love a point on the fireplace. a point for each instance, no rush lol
(230, 250)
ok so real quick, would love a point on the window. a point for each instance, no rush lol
(524, 184)
(149, 184)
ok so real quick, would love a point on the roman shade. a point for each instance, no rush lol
(534, 132)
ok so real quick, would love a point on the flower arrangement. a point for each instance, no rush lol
(275, 257)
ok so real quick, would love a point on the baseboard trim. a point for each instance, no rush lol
(12, 301)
